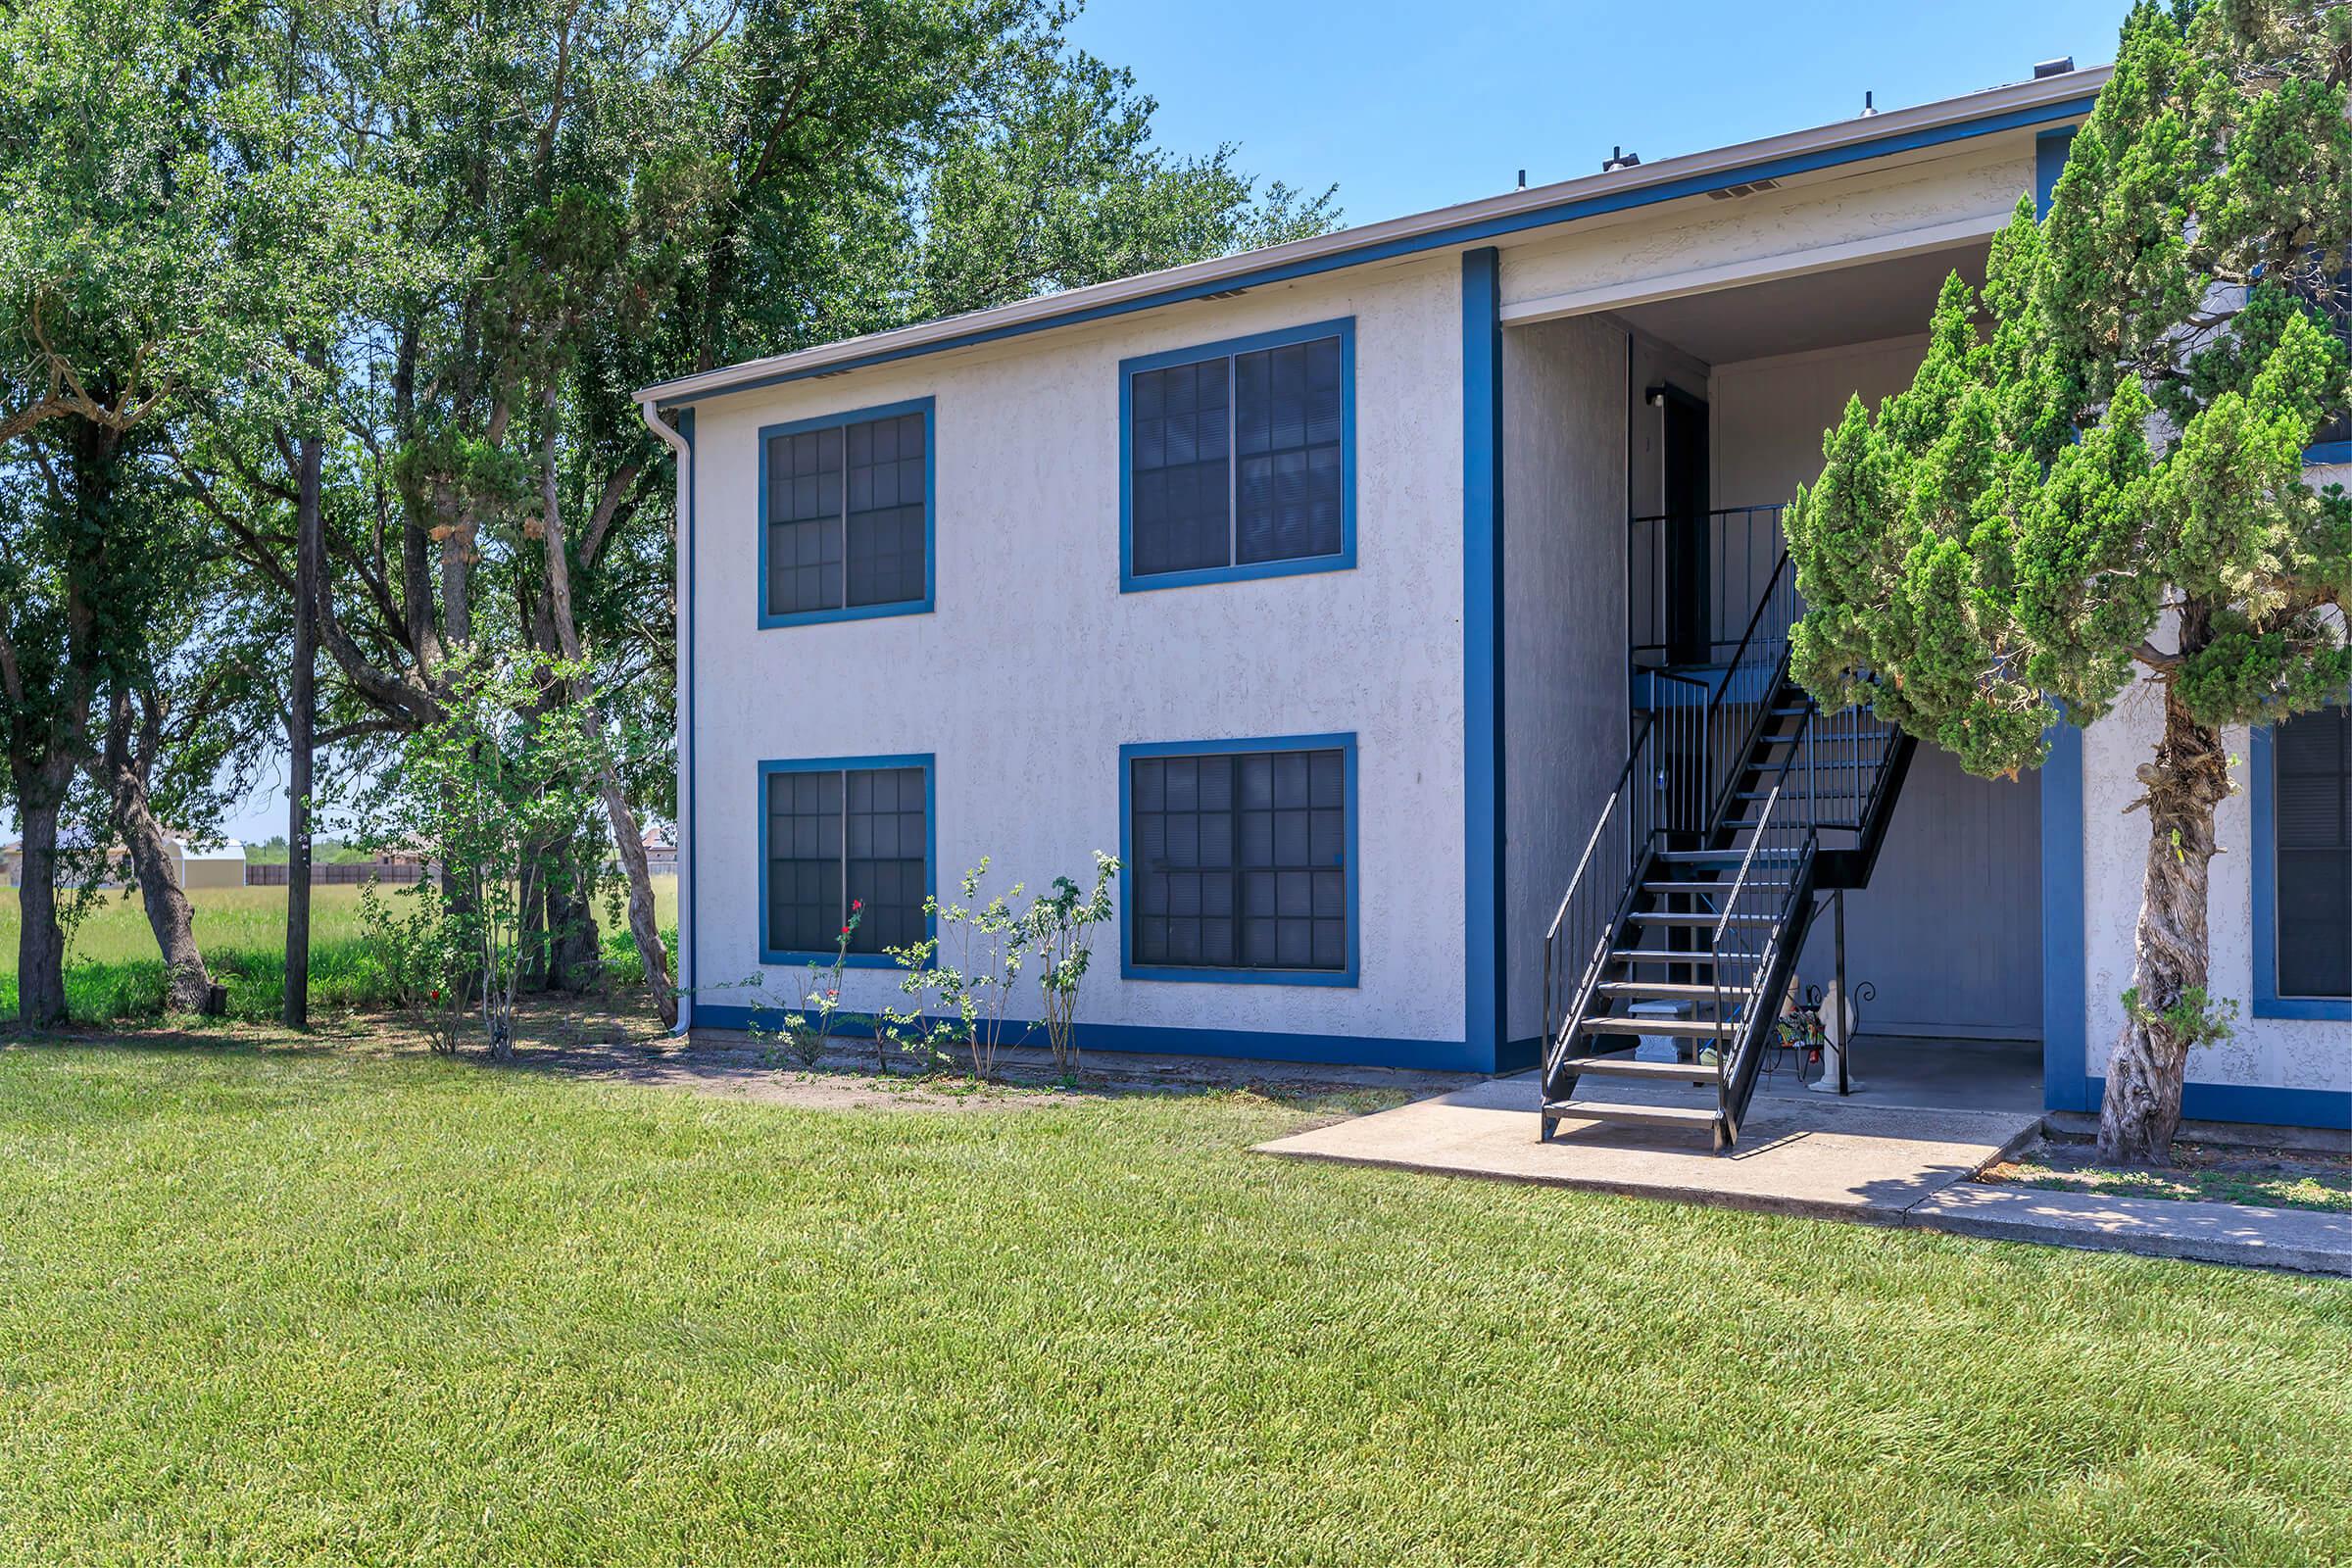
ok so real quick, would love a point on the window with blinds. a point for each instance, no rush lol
(846, 517)
(1238, 458)
(2312, 818)
(1240, 860)
(842, 836)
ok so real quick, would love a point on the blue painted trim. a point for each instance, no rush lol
(688, 926)
(1360, 1050)
(2327, 452)
(2262, 786)
(2049, 162)
(838, 764)
(1129, 969)
(2265, 1104)
(1486, 933)
(2065, 1062)
(1448, 238)
(926, 406)
(1344, 329)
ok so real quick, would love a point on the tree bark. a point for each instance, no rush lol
(2187, 779)
(187, 984)
(301, 726)
(40, 939)
(628, 838)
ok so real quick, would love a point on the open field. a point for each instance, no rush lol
(291, 1305)
(113, 971)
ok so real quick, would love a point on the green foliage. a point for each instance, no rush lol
(1059, 929)
(960, 981)
(2115, 462)
(492, 791)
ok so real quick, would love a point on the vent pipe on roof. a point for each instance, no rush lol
(1523, 179)
(2053, 67)
(1618, 159)
(1870, 106)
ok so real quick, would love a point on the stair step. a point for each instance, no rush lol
(1695, 888)
(1703, 918)
(1688, 1028)
(1660, 956)
(1677, 1072)
(1690, 1117)
(1656, 990)
(1724, 857)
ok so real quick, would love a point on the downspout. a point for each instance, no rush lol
(681, 445)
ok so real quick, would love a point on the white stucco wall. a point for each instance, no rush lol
(1565, 631)
(2272, 1052)
(1034, 668)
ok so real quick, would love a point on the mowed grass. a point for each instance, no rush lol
(313, 1307)
(113, 971)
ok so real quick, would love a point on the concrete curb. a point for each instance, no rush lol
(2310, 1241)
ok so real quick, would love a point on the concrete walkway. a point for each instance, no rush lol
(1797, 1153)
(1801, 1154)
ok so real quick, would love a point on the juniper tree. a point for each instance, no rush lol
(2095, 483)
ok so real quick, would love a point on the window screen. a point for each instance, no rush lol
(846, 516)
(2334, 295)
(2311, 774)
(840, 836)
(1238, 460)
(1240, 860)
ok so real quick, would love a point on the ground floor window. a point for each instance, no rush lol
(1240, 860)
(2311, 854)
(840, 834)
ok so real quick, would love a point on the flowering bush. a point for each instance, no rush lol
(1059, 927)
(805, 1040)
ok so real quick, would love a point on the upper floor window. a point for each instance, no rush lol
(847, 835)
(2334, 295)
(2310, 853)
(1238, 458)
(845, 516)
(1240, 860)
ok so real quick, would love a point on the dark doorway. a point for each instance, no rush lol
(1689, 632)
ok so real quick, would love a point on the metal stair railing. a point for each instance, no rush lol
(1750, 941)
(1650, 797)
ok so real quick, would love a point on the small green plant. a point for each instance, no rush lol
(1059, 927)
(806, 1042)
(961, 1005)
(421, 953)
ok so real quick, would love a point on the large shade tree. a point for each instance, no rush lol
(2096, 484)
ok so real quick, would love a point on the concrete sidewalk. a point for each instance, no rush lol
(1833, 1159)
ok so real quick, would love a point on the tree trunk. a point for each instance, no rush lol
(40, 939)
(187, 985)
(628, 836)
(301, 721)
(573, 952)
(2187, 779)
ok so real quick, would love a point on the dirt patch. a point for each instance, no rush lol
(617, 1038)
(2268, 1178)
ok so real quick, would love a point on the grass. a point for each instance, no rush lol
(283, 1306)
(114, 972)
(2201, 1173)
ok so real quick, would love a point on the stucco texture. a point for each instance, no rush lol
(1034, 668)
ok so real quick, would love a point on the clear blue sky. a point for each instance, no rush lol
(1411, 107)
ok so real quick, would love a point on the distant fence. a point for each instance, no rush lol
(324, 876)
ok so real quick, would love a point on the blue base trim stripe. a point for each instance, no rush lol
(1359, 1050)
(2263, 1105)
(1486, 932)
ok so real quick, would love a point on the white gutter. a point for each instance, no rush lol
(1521, 208)
(683, 513)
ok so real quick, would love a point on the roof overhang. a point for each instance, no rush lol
(2026, 104)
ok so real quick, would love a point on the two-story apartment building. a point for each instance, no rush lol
(1361, 591)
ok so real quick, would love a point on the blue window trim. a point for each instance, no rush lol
(927, 408)
(2262, 786)
(1129, 969)
(1344, 328)
(837, 764)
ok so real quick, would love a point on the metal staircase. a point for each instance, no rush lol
(1740, 809)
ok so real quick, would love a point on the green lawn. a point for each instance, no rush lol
(275, 1306)
(113, 971)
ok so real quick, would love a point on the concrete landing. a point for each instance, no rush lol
(2313, 1242)
(1798, 1155)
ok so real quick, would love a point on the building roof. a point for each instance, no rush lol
(2044, 101)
